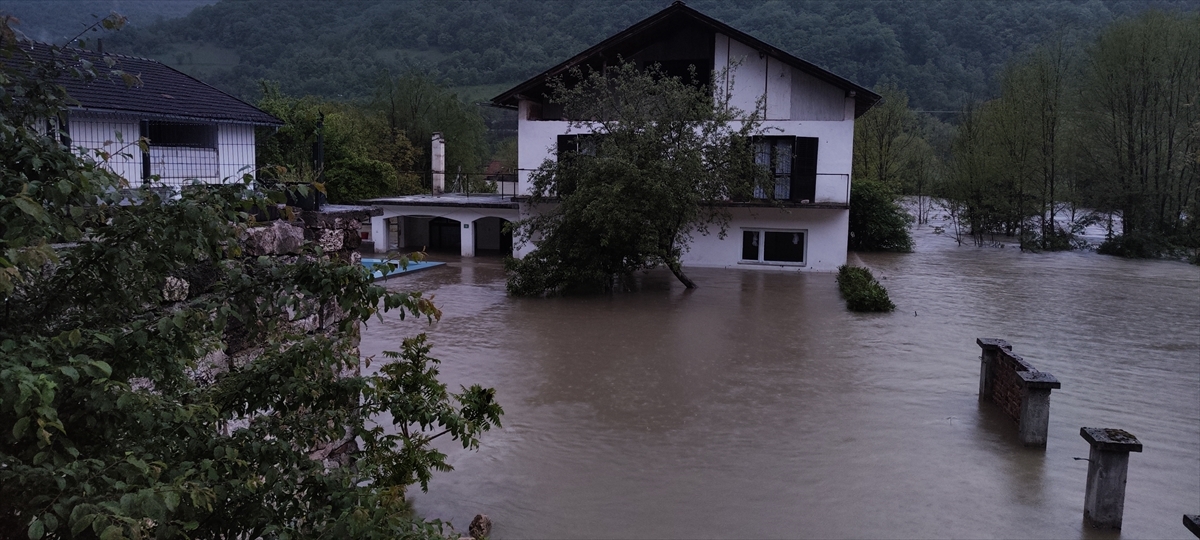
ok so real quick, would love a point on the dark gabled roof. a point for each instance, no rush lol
(164, 91)
(671, 17)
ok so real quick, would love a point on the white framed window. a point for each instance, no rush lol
(784, 247)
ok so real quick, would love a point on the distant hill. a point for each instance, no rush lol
(944, 53)
(56, 21)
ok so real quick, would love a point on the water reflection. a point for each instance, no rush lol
(756, 406)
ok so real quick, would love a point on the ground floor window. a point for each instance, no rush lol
(774, 246)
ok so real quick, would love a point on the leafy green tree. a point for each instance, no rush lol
(1139, 147)
(414, 105)
(886, 146)
(883, 137)
(877, 221)
(364, 157)
(656, 156)
(127, 411)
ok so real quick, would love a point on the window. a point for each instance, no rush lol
(178, 134)
(584, 144)
(779, 247)
(775, 154)
(180, 152)
(792, 164)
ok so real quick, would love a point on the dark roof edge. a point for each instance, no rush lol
(183, 117)
(864, 98)
(118, 56)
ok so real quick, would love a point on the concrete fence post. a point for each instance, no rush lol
(1108, 466)
(1192, 522)
(1034, 424)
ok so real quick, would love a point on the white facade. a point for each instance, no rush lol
(807, 144)
(467, 225)
(796, 104)
(215, 152)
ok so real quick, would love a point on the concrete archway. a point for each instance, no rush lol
(445, 235)
(491, 238)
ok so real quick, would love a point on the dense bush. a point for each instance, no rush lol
(1138, 245)
(157, 380)
(861, 291)
(877, 222)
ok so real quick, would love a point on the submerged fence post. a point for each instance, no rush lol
(1192, 522)
(1034, 424)
(1108, 466)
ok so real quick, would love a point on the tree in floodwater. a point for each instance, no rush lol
(1008, 165)
(887, 148)
(1026, 127)
(651, 158)
(1140, 149)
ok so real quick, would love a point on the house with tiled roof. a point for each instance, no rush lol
(196, 132)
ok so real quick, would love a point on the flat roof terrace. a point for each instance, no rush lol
(460, 200)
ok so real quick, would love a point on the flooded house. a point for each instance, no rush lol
(801, 222)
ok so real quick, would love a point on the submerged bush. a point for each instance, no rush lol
(861, 291)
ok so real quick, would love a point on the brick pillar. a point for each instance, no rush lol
(987, 369)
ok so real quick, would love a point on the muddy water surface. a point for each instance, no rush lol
(757, 406)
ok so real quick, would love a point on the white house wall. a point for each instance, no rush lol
(825, 236)
(235, 145)
(118, 134)
(779, 90)
(536, 141)
(463, 214)
(797, 104)
(814, 99)
(115, 135)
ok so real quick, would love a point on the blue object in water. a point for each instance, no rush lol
(412, 266)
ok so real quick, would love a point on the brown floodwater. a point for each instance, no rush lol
(757, 406)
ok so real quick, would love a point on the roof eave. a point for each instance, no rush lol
(864, 97)
(148, 114)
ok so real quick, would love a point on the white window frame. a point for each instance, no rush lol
(762, 246)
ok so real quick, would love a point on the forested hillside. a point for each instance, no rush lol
(56, 21)
(942, 52)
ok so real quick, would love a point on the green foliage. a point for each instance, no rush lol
(662, 153)
(129, 413)
(883, 138)
(1127, 146)
(877, 221)
(419, 404)
(861, 291)
(417, 107)
(364, 157)
(374, 148)
(942, 51)
(1140, 142)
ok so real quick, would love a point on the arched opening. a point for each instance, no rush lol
(491, 238)
(445, 235)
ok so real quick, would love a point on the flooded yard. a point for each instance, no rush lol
(757, 406)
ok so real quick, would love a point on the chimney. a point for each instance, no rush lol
(439, 164)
